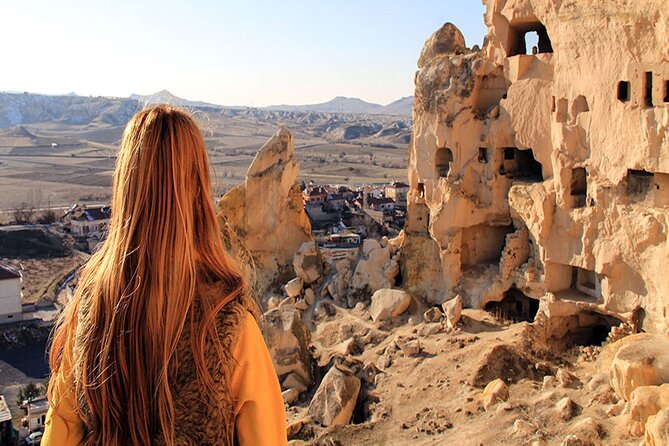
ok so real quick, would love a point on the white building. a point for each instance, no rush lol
(37, 410)
(87, 222)
(10, 295)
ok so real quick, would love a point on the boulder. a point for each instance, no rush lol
(335, 399)
(505, 362)
(308, 263)
(642, 360)
(646, 401)
(566, 409)
(495, 392)
(288, 341)
(565, 378)
(411, 347)
(434, 314)
(657, 430)
(375, 270)
(290, 396)
(388, 303)
(294, 287)
(309, 296)
(294, 381)
(452, 310)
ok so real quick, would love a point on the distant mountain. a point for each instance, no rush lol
(403, 106)
(342, 104)
(27, 108)
(165, 97)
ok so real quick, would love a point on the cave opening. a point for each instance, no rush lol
(521, 164)
(528, 38)
(624, 91)
(586, 281)
(421, 190)
(639, 182)
(443, 161)
(483, 155)
(579, 186)
(515, 306)
(666, 91)
(482, 244)
(648, 89)
(592, 329)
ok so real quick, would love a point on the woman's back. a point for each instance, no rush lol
(146, 345)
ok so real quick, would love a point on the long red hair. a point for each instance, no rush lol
(136, 293)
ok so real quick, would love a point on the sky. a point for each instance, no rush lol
(253, 52)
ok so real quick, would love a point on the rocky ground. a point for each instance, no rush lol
(407, 380)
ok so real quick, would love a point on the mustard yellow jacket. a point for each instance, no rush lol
(259, 409)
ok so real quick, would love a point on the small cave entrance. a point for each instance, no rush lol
(521, 164)
(624, 91)
(529, 37)
(586, 281)
(443, 161)
(483, 155)
(492, 89)
(421, 190)
(666, 91)
(648, 89)
(515, 306)
(639, 183)
(579, 186)
(482, 244)
(592, 328)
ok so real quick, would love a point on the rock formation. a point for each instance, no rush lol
(263, 220)
(542, 174)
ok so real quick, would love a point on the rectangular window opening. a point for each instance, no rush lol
(648, 90)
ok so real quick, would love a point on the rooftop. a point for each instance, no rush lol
(7, 272)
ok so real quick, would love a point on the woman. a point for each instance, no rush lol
(158, 345)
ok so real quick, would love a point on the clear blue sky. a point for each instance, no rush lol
(227, 52)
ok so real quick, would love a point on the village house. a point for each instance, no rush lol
(85, 221)
(8, 435)
(37, 410)
(315, 195)
(385, 205)
(10, 295)
(397, 191)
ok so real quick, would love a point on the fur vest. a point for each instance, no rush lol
(199, 419)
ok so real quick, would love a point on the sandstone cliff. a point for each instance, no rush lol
(542, 174)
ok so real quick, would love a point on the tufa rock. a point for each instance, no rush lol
(335, 399)
(288, 341)
(388, 303)
(263, 221)
(447, 40)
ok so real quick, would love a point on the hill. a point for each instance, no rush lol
(166, 97)
(342, 104)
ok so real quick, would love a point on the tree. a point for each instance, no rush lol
(29, 392)
(23, 213)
